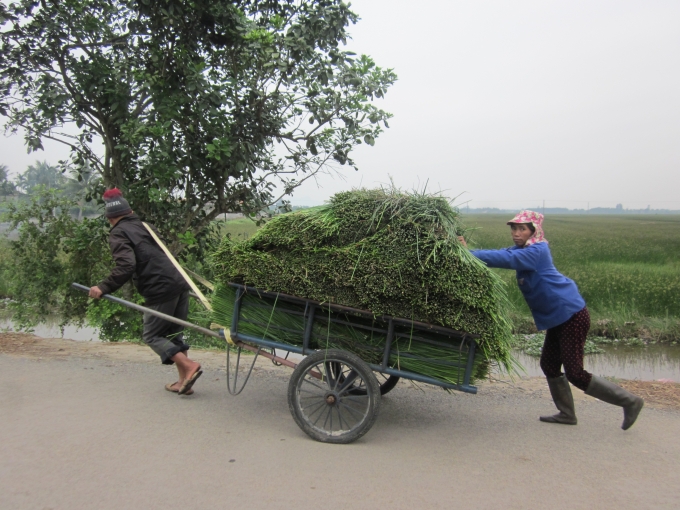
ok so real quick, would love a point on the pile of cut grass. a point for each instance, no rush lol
(382, 250)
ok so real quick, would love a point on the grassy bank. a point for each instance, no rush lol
(626, 267)
(5, 271)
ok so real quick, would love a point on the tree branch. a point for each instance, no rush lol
(86, 152)
(116, 41)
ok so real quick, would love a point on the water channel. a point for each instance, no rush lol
(649, 363)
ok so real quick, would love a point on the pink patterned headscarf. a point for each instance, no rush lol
(536, 219)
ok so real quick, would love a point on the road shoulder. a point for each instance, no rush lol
(657, 395)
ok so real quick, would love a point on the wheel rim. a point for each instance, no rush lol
(327, 400)
(386, 382)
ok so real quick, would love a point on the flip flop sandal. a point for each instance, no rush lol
(173, 390)
(190, 382)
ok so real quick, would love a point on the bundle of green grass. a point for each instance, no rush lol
(382, 250)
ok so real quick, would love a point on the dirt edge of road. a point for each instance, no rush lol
(659, 395)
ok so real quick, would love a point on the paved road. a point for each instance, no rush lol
(101, 434)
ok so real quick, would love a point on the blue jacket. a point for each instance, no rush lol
(552, 297)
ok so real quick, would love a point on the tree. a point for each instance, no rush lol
(202, 107)
(42, 174)
(74, 185)
(6, 186)
(81, 184)
(52, 250)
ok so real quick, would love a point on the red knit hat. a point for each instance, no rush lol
(116, 205)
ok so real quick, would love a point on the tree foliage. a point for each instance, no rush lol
(51, 251)
(40, 175)
(202, 107)
(54, 249)
(43, 175)
(7, 187)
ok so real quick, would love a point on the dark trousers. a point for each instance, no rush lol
(165, 338)
(564, 346)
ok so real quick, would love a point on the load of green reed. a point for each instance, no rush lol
(382, 250)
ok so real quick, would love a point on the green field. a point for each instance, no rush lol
(240, 229)
(627, 267)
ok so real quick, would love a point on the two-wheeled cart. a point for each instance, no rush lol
(333, 394)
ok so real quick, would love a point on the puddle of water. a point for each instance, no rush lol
(51, 330)
(648, 363)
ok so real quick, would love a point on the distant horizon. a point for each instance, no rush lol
(546, 210)
(618, 209)
(564, 210)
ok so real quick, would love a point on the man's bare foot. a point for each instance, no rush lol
(192, 375)
(190, 369)
(185, 367)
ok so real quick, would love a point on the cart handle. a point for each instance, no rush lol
(144, 309)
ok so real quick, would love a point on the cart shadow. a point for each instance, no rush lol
(414, 408)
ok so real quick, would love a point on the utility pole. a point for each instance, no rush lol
(543, 207)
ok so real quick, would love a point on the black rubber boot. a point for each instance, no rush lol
(612, 393)
(564, 401)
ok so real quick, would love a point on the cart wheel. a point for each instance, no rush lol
(386, 382)
(321, 398)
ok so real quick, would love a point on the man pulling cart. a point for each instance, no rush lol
(140, 258)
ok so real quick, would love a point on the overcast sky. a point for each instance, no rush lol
(511, 103)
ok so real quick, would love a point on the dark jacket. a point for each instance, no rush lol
(139, 257)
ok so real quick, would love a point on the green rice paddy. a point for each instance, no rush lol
(239, 229)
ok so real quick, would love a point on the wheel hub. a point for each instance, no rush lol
(331, 399)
